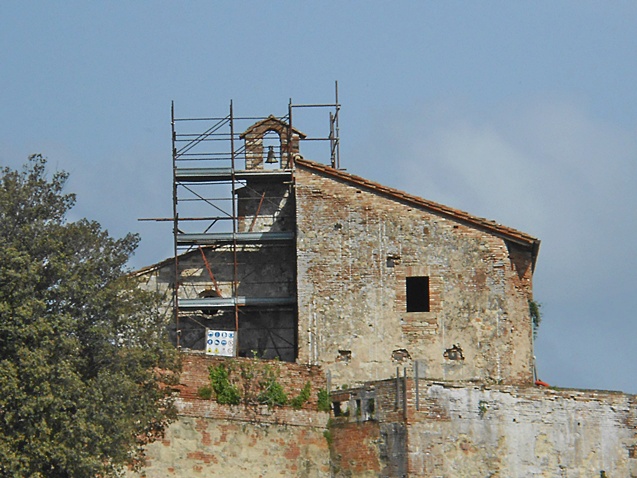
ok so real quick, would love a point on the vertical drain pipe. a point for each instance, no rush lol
(405, 393)
(397, 388)
(417, 388)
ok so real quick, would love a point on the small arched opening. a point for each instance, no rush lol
(271, 150)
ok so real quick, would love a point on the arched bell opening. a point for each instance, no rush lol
(271, 150)
(270, 144)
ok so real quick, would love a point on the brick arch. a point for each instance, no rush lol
(253, 137)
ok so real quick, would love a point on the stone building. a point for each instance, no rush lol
(413, 315)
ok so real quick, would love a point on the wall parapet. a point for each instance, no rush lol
(458, 429)
(291, 376)
(262, 414)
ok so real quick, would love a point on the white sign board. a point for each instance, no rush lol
(220, 342)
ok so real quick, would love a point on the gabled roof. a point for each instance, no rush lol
(153, 267)
(166, 262)
(271, 121)
(493, 227)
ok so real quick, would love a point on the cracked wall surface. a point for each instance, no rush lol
(513, 432)
(472, 410)
(355, 249)
(434, 429)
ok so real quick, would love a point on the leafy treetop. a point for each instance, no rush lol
(84, 358)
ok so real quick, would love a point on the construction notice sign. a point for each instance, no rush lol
(220, 342)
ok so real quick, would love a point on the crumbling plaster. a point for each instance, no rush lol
(469, 407)
(504, 432)
(217, 447)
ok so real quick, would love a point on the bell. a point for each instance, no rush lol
(271, 156)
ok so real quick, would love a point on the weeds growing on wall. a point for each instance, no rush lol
(251, 382)
(483, 407)
(324, 403)
(327, 433)
(205, 392)
(271, 392)
(255, 382)
(225, 392)
(298, 401)
(536, 315)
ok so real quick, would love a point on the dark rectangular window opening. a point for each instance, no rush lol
(417, 294)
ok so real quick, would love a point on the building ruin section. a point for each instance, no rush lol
(413, 316)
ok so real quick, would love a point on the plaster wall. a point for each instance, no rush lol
(215, 447)
(355, 247)
(265, 206)
(467, 432)
(429, 429)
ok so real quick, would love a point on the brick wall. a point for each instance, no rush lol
(355, 247)
(210, 439)
(355, 449)
(292, 376)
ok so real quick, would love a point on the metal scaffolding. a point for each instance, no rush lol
(209, 215)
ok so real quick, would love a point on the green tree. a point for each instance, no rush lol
(84, 357)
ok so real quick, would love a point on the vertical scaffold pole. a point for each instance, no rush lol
(416, 373)
(405, 393)
(397, 389)
(175, 229)
(290, 137)
(338, 140)
(235, 278)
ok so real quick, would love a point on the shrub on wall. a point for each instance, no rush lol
(298, 401)
(225, 392)
(324, 404)
(252, 382)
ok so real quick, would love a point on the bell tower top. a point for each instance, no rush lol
(288, 143)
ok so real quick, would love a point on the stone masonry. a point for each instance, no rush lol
(355, 248)
(415, 316)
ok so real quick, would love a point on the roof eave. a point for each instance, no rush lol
(492, 227)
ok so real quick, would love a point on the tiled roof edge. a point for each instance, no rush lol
(508, 233)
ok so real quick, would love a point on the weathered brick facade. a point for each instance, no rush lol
(224, 448)
(400, 427)
(356, 246)
(414, 315)
(242, 440)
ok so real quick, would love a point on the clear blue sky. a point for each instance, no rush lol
(522, 112)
